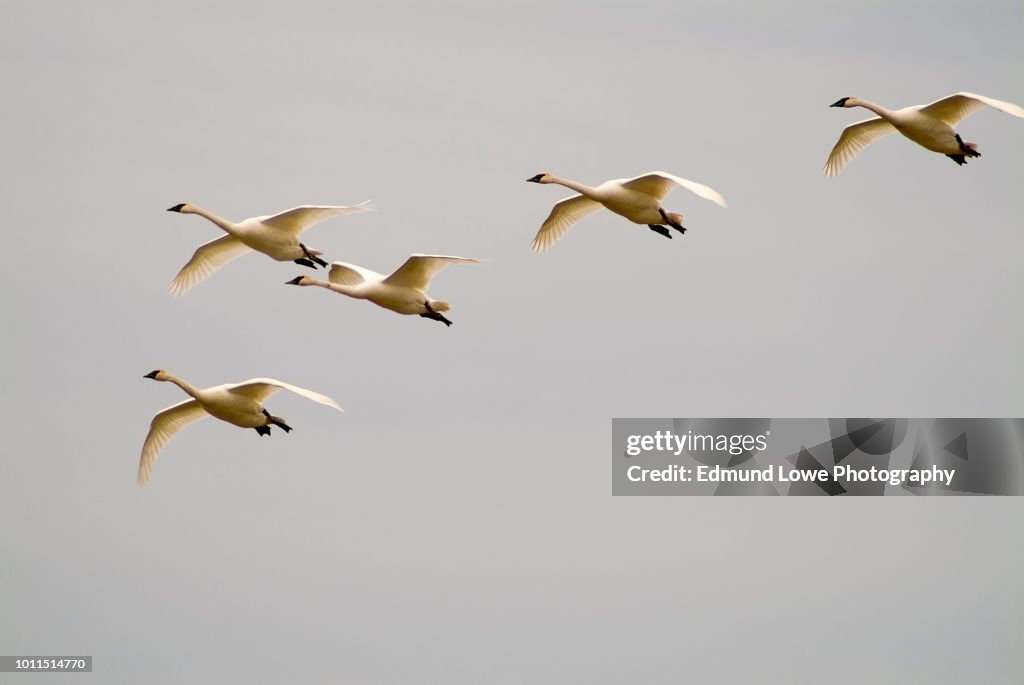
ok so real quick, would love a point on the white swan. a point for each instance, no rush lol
(638, 199)
(276, 236)
(403, 291)
(237, 403)
(930, 126)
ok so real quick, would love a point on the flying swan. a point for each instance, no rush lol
(276, 236)
(638, 199)
(930, 126)
(238, 403)
(403, 291)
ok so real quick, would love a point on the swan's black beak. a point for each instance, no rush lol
(839, 103)
(535, 179)
(151, 374)
(176, 208)
(294, 281)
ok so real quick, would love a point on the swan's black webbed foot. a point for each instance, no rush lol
(668, 220)
(660, 229)
(310, 257)
(305, 262)
(276, 421)
(437, 317)
(959, 159)
(263, 430)
(969, 150)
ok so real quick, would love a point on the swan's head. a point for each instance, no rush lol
(184, 208)
(540, 178)
(845, 102)
(300, 280)
(158, 375)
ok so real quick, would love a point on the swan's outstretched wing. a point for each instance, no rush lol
(207, 258)
(298, 219)
(260, 389)
(343, 273)
(418, 269)
(563, 215)
(953, 108)
(162, 428)
(855, 138)
(658, 183)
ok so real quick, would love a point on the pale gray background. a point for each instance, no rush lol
(456, 524)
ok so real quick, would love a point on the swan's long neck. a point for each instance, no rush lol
(336, 287)
(349, 290)
(877, 109)
(184, 385)
(210, 216)
(578, 187)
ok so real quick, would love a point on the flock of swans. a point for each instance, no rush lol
(403, 291)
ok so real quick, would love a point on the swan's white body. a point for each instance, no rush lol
(930, 126)
(240, 404)
(276, 236)
(638, 199)
(403, 291)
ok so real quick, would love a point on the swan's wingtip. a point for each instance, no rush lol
(176, 289)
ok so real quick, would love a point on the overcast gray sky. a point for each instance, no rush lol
(456, 524)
